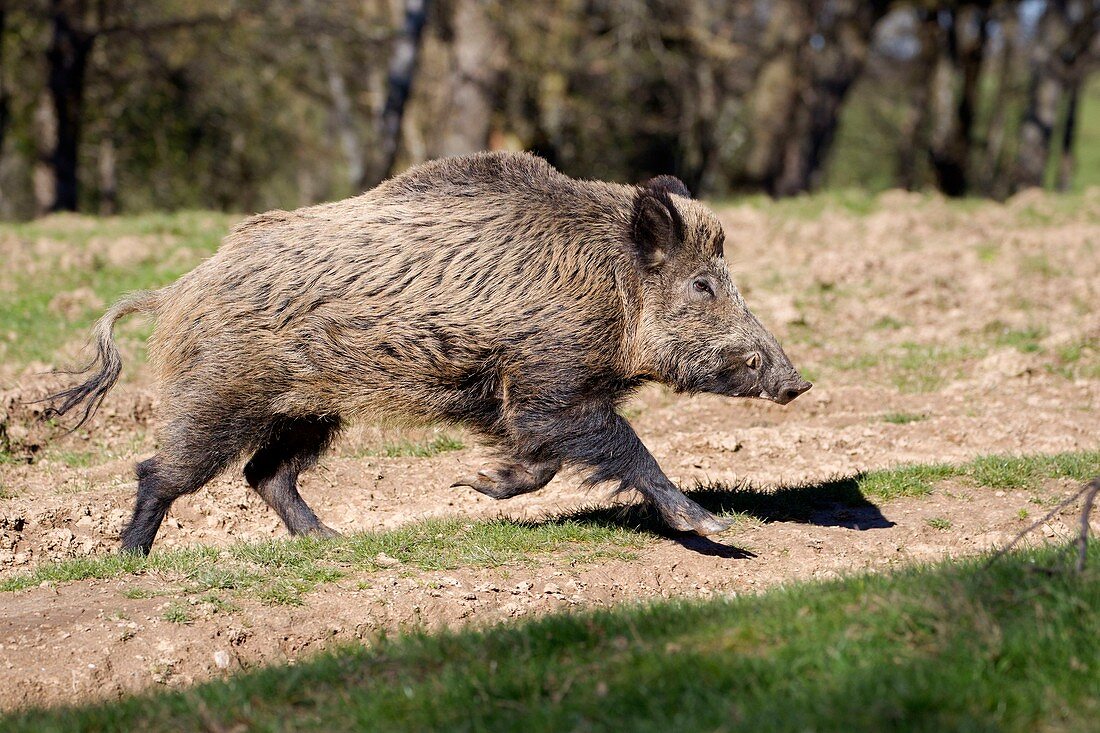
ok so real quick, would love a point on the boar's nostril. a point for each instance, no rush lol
(791, 392)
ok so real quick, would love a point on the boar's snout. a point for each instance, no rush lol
(791, 389)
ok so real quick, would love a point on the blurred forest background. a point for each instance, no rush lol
(245, 105)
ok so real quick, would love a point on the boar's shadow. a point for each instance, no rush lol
(836, 502)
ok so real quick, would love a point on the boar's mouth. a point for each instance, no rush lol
(738, 383)
(728, 383)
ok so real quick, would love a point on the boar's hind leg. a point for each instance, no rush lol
(189, 458)
(512, 478)
(293, 446)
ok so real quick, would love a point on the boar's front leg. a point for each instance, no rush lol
(512, 478)
(603, 440)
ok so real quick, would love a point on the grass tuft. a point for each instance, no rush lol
(177, 613)
(1077, 360)
(925, 367)
(911, 366)
(904, 481)
(903, 418)
(1025, 340)
(993, 472)
(441, 444)
(888, 323)
(1025, 472)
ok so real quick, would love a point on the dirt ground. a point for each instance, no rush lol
(934, 333)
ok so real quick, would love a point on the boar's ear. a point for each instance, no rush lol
(672, 184)
(657, 227)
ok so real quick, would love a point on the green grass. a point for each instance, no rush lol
(859, 362)
(912, 367)
(938, 523)
(406, 449)
(903, 418)
(1079, 359)
(991, 472)
(1025, 472)
(71, 458)
(218, 604)
(955, 646)
(888, 323)
(135, 594)
(905, 480)
(1025, 340)
(177, 613)
(1039, 264)
(34, 332)
(926, 367)
(808, 207)
(988, 251)
(282, 571)
(1088, 137)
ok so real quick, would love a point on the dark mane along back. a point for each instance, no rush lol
(476, 174)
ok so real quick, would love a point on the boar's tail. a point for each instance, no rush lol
(106, 366)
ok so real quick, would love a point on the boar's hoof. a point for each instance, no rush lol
(694, 518)
(512, 479)
(499, 484)
(323, 531)
(710, 525)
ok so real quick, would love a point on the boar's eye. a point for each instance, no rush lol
(753, 362)
(702, 285)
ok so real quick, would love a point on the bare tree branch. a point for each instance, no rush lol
(165, 26)
(1091, 490)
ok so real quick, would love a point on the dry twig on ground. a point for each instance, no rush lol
(1089, 492)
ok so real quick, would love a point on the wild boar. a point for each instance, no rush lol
(490, 291)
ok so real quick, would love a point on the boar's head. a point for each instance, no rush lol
(694, 331)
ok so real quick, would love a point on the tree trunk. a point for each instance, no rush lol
(399, 86)
(821, 56)
(1058, 48)
(776, 90)
(954, 96)
(991, 173)
(1044, 92)
(913, 129)
(44, 175)
(475, 80)
(343, 113)
(67, 60)
(108, 177)
(5, 96)
(1068, 164)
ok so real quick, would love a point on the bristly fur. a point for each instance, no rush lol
(488, 290)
